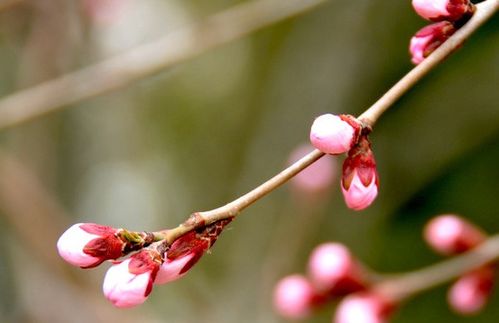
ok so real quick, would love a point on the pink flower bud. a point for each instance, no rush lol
(429, 38)
(363, 308)
(293, 297)
(470, 293)
(186, 251)
(88, 244)
(450, 234)
(172, 270)
(438, 10)
(333, 134)
(359, 182)
(333, 270)
(316, 178)
(128, 283)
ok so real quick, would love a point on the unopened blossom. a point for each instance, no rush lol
(88, 244)
(293, 297)
(363, 308)
(470, 293)
(450, 234)
(429, 38)
(359, 182)
(334, 134)
(128, 283)
(186, 251)
(333, 270)
(438, 10)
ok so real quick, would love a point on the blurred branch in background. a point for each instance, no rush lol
(8, 4)
(147, 59)
(37, 220)
(408, 284)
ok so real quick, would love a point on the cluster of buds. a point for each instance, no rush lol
(336, 135)
(333, 272)
(128, 282)
(450, 235)
(448, 15)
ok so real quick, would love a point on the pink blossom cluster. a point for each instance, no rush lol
(333, 272)
(449, 235)
(129, 282)
(448, 15)
(336, 135)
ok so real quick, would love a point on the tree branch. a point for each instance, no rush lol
(146, 60)
(484, 11)
(408, 284)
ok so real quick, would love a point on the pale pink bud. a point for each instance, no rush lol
(438, 10)
(429, 38)
(128, 283)
(317, 177)
(359, 196)
(450, 234)
(359, 182)
(470, 293)
(89, 244)
(332, 269)
(186, 251)
(293, 297)
(172, 270)
(363, 308)
(333, 134)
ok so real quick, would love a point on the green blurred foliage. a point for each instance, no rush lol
(200, 134)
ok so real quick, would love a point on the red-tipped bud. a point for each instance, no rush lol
(438, 10)
(359, 182)
(128, 283)
(334, 271)
(363, 308)
(186, 251)
(293, 297)
(470, 293)
(88, 244)
(429, 38)
(316, 178)
(333, 134)
(450, 234)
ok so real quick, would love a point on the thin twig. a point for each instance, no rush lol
(411, 283)
(485, 10)
(233, 208)
(146, 60)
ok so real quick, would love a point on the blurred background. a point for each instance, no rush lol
(200, 134)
